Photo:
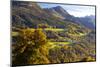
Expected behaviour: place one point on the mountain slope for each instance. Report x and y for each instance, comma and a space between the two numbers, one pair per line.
87, 21
30, 14
26, 14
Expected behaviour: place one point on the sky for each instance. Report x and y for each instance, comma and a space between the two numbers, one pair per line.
75, 10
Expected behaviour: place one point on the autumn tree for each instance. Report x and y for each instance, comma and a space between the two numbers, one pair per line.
40, 50
23, 47
39, 38
30, 46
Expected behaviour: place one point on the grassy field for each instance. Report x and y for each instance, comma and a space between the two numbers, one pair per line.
63, 43
57, 44
54, 29
51, 29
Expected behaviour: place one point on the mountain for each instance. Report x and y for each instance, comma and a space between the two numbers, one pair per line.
92, 18
87, 21
60, 12
54, 13
30, 14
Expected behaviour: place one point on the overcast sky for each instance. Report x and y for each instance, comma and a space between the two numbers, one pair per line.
75, 10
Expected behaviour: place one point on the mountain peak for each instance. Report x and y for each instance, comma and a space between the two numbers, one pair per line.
58, 7
61, 10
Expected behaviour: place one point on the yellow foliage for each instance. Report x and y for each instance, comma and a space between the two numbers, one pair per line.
39, 37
